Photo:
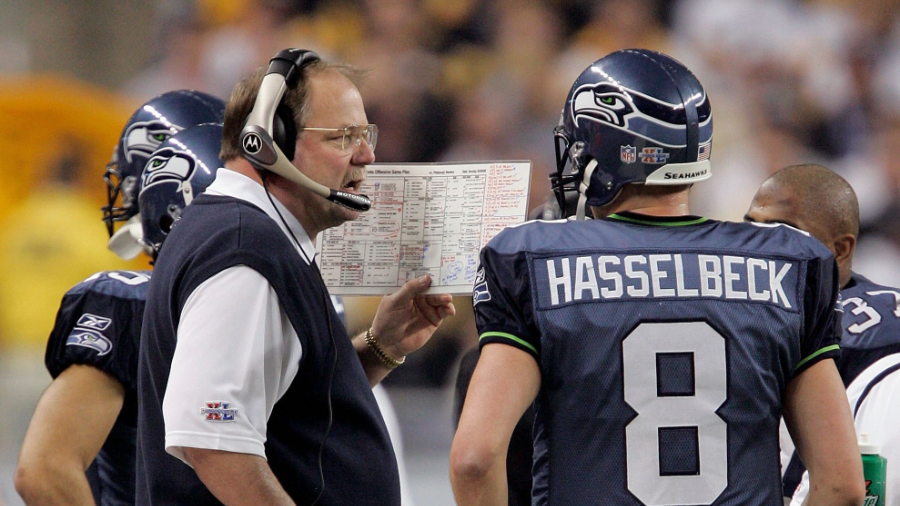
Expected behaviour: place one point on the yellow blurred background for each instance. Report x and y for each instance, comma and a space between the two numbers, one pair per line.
56, 136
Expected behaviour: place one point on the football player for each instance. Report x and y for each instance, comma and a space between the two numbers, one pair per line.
659, 349
80, 445
821, 202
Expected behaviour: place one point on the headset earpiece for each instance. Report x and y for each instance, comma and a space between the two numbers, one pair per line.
284, 131
283, 125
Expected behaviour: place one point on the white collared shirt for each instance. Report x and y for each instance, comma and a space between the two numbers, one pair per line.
236, 348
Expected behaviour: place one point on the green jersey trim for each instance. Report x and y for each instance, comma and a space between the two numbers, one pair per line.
510, 337
616, 216
816, 354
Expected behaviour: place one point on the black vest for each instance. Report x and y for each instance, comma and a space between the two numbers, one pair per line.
357, 461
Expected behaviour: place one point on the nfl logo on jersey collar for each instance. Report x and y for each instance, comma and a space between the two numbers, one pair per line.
628, 154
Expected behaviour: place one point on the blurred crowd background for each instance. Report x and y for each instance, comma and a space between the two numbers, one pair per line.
790, 81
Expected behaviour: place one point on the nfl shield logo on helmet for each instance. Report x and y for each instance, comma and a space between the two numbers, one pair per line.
628, 154
218, 411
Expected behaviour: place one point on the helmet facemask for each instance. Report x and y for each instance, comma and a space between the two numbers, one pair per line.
562, 183
116, 186
571, 188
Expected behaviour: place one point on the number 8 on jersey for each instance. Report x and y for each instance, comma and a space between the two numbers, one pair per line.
676, 446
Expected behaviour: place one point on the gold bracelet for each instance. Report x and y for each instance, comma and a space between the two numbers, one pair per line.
383, 357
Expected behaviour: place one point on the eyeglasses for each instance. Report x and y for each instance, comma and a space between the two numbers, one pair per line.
352, 136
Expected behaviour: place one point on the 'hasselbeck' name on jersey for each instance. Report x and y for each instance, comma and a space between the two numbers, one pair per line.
573, 279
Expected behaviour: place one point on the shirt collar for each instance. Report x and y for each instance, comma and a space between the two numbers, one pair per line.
229, 183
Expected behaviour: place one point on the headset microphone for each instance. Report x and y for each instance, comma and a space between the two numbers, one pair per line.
259, 139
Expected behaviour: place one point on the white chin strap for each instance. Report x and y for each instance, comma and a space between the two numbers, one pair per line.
127, 242
583, 188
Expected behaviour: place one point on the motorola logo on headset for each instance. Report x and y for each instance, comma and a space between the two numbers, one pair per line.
252, 143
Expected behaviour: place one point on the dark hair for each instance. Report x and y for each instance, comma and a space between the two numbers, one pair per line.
243, 96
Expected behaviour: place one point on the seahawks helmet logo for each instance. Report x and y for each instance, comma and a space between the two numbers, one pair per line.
639, 114
170, 165
603, 103
143, 137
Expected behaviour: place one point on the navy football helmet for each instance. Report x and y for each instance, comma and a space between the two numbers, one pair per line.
177, 172
153, 123
633, 116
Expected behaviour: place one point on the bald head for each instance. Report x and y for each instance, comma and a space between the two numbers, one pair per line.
815, 199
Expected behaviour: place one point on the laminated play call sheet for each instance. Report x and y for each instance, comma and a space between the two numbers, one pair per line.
425, 219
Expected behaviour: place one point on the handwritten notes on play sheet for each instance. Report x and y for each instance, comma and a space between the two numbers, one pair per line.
425, 219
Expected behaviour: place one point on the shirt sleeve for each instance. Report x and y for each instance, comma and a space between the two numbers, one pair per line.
235, 356
822, 314
501, 298
99, 330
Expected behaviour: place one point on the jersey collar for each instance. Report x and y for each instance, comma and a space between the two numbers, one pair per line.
658, 221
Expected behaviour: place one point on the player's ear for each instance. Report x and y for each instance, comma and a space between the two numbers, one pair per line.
843, 246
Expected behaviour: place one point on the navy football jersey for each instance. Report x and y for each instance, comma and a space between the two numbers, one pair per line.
99, 324
664, 346
871, 326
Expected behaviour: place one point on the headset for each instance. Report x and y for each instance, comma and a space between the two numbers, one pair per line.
269, 134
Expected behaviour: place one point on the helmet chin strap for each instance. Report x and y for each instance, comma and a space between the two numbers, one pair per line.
127, 241
583, 188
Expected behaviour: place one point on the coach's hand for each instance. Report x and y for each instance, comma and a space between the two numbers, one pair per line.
406, 319
404, 322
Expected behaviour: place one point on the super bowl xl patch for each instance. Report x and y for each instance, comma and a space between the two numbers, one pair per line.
654, 155
218, 411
